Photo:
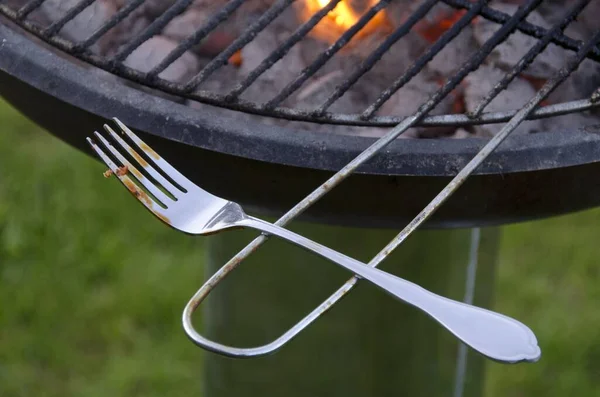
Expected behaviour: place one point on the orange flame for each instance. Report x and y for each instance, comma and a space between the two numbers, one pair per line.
341, 18
342, 14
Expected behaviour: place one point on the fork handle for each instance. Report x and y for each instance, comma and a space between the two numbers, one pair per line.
492, 334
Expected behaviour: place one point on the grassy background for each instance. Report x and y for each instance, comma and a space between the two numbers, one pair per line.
91, 287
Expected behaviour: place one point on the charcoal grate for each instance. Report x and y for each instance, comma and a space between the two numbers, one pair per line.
275, 107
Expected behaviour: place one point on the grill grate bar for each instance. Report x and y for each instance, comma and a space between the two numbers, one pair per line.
281, 51
154, 28
28, 9
528, 28
71, 14
111, 23
431, 52
534, 51
376, 55
246, 37
326, 55
196, 37
456, 120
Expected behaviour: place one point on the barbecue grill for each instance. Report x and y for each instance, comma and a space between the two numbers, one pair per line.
271, 159
526, 167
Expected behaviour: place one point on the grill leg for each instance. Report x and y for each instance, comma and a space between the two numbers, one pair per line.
368, 345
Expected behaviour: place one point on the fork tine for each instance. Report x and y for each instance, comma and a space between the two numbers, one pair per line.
163, 198
159, 161
151, 170
130, 185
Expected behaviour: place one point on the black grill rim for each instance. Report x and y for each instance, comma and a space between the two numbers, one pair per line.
29, 62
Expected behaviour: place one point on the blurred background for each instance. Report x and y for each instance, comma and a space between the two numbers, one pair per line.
92, 287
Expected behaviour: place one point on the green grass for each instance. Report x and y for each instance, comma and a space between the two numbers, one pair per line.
549, 276
91, 287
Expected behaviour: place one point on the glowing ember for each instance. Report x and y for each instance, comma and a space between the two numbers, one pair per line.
342, 17
433, 30
342, 14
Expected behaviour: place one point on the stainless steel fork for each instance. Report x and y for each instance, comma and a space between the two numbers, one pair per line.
186, 207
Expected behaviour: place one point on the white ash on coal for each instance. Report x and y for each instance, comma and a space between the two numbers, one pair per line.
508, 53
480, 82
153, 51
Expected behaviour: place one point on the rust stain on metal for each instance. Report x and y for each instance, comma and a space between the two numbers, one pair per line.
139, 158
236, 59
132, 188
163, 218
139, 194
122, 170
137, 174
149, 151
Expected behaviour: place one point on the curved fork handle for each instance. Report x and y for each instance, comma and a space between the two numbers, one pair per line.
493, 335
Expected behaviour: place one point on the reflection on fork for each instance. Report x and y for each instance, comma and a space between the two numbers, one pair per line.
181, 204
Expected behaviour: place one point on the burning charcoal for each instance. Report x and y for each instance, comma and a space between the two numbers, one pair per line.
589, 16
437, 22
398, 11
568, 122
153, 8
133, 24
480, 82
279, 75
222, 80
320, 85
249, 6
187, 23
318, 89
581, 84
507, 54
409, 98
84, 24
37, 16
341, 18
154, 50
455, 54
554, 11
460, 133
156, 7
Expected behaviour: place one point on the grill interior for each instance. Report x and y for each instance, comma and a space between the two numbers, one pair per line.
358, 69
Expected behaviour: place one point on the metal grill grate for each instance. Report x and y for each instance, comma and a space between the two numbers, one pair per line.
321, 114
587, 49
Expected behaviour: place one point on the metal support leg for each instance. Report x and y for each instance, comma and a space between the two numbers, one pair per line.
368, 345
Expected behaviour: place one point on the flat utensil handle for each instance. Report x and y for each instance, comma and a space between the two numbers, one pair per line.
494, 335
